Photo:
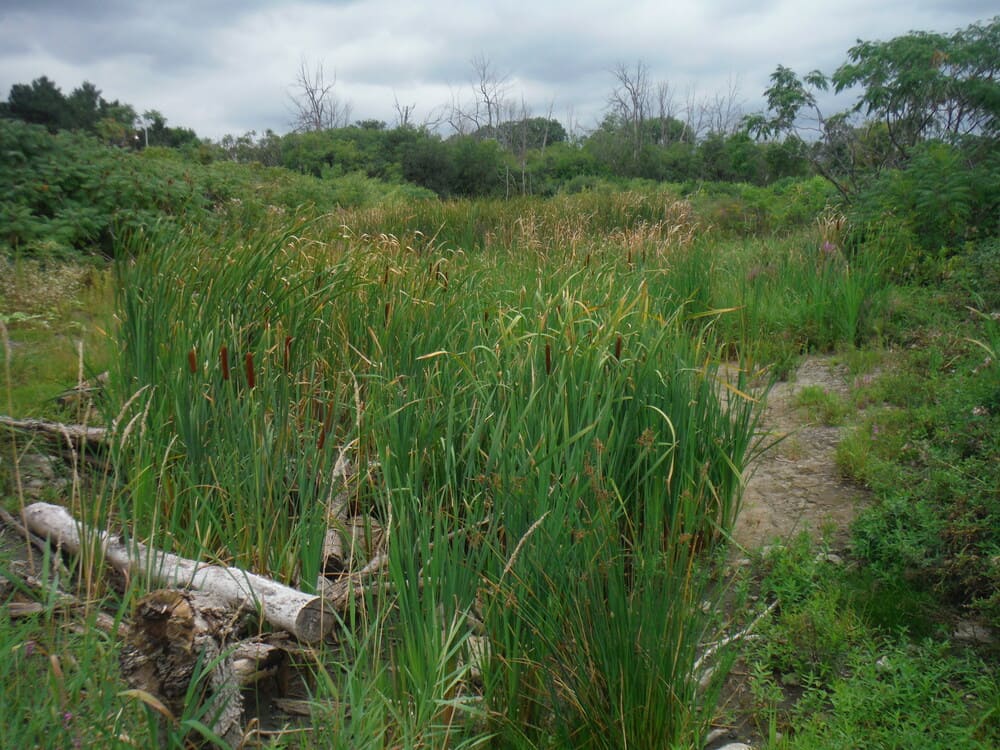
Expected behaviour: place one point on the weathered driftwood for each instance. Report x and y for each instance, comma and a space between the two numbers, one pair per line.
309, 618
177, 652
75, 432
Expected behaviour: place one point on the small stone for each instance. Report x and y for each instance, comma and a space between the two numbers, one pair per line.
969, 631
37, 465
716, 734
736, 746
829, 557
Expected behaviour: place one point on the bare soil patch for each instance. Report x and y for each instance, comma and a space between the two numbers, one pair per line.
796, 486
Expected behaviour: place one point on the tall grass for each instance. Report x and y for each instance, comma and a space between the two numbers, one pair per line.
545, 448
543, 442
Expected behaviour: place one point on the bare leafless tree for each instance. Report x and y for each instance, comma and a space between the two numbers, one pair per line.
630, 100
695, 114
460, 116
491, 88
489, 93
316, 105
404, 113
665, 109
725, 110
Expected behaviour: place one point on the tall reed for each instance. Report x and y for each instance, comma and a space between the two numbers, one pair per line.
542, 435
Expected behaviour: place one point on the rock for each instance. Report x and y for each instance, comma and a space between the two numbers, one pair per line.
37, 466
970, 631
716, 734
829, 557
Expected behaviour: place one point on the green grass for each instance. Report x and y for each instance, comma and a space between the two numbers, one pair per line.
530, 394
820, 406
850, 660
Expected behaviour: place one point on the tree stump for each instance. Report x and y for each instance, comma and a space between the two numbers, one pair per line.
177, 652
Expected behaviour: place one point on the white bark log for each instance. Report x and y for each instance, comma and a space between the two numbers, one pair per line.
309, 618
95, 435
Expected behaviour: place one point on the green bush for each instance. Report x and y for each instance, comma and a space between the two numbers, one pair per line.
926, 213
70, 192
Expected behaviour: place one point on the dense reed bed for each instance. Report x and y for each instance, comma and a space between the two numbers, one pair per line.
541, 440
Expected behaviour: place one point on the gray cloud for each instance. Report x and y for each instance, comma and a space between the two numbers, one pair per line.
227, 66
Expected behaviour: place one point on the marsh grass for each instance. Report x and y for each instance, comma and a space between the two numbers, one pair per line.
531, 397
51, 309
551, 457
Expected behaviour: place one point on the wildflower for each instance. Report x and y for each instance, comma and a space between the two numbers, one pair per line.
829, 248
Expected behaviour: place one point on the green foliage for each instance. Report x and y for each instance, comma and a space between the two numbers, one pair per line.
529, 133
821, 406
43, 103
932, 458
924, 214
847, 659
926, 85
547, 439
913, 90
56, 681
901, 696
70, 193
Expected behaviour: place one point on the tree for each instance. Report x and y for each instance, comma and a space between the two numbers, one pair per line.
629, 102
927, 85
316, 105
40, 103
117, 123
404, 113
488, 102
913, 88
84, 107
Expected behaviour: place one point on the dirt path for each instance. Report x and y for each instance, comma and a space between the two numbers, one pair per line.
796, 486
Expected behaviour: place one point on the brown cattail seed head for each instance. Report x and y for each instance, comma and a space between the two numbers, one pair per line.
251, 379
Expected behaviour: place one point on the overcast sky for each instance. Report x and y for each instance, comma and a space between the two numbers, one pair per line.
227, 66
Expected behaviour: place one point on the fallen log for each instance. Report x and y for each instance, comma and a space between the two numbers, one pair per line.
78, 432
309, 618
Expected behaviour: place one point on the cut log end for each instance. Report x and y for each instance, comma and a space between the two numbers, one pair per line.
314, 621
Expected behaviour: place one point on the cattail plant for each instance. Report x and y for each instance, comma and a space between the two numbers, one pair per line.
251, 376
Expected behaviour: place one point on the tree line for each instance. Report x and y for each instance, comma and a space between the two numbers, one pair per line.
926, 99
42, 102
